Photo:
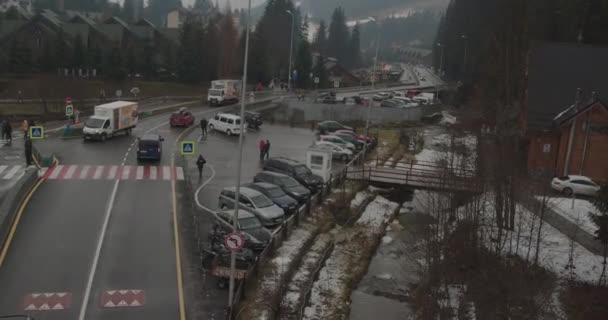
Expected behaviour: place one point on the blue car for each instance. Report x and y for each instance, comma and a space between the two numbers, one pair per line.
150, 147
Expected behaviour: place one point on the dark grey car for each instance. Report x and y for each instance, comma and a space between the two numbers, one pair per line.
269, 214
256, 236
276, 194
296, 170
290, 185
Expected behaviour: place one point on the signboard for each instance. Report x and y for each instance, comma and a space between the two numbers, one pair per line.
135, 91
317, 80
69, 110
68, 101
119, 93
234, 241
187, 148
36, 133
336, 84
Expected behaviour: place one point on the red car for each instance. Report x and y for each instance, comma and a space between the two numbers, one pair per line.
182, 118
355, 135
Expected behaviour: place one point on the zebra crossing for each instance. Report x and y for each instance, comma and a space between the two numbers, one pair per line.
99, 172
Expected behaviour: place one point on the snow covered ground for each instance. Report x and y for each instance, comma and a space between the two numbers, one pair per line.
578, 215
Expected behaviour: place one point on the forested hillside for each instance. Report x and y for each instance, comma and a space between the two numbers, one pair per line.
322, 9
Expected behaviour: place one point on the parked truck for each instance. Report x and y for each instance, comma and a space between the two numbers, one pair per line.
110, 119
223, 92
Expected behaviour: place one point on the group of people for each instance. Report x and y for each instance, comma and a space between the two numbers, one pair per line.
264, 149
7, 130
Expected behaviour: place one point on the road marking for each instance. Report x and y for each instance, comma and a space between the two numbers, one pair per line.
47, 301
140, 173
55, 172
179, 173
112, 174
153, 173
104, 228
126, 170
122, 298
11, 233
180, 286
84, 173
12, 172
70, 172
98, 172
2, 168
167, 172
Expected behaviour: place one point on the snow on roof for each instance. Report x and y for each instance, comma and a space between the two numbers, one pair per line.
115, 105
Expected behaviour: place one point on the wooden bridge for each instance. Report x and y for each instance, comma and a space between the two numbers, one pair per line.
418, 175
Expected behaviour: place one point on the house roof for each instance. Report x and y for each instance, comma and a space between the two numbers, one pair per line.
9, 26
573, 112
555, 72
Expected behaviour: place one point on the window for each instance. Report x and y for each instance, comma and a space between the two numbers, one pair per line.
276, 192
316, 160
106, 124
583, 182
250, 223
217, 117
230, 121
222, 119
546, 148
262, 201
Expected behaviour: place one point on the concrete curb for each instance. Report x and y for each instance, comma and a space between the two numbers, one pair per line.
13, 200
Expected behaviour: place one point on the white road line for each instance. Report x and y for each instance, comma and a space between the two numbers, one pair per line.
140, 173
166, 173
70, 172
104, 228
180, 173
42, 171
2, 168
12, 172
126, 170
112, 174
85, 172
98, 173
56, 171
153, 173
198, 202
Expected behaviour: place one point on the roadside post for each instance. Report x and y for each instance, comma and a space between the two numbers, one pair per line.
234, 241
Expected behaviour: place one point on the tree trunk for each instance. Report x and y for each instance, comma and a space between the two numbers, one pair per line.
602, 279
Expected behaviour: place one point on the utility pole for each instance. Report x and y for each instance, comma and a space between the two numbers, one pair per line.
369, 107
293, 21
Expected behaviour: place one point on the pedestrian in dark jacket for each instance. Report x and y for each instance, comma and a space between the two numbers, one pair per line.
8, 131
200, 163
267, 149
28, 151
262, 147
204, 127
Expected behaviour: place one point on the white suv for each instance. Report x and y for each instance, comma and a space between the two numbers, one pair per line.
227, 123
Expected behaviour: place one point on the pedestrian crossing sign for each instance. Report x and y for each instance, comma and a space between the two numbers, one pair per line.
69, 110
36, 132
187, 148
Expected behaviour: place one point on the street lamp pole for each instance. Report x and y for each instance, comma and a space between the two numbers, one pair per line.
293, 21
240, 157
441, 61
369, 107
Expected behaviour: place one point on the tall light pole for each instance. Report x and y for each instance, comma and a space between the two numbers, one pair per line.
439, 45
235, 216
293, 21
466, 47
369, 107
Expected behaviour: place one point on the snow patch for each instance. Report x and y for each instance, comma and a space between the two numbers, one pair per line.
387, 239
579, 215
384, 276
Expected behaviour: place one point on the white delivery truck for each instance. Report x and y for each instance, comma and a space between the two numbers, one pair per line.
110, 119
224, 92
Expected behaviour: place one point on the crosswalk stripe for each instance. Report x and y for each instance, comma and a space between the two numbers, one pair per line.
84, 172
146, 172
180, 173
166, 173
140, 173
70, 172
125, 172
112, 174
2, 168
98, 173
153, 173
12, 172
55, 172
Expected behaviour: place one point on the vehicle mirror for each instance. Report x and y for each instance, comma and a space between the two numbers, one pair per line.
162, 139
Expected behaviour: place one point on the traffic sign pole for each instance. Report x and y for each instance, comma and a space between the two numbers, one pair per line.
187, 148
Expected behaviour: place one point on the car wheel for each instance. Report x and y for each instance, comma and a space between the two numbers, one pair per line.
211, 127
104, 137
344, 157
224, 207
567, 191
229, 132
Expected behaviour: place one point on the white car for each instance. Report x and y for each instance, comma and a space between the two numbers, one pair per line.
337, 151
571, 184
225, 122
338, 141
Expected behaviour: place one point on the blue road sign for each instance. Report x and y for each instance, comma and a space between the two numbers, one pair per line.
187, 148
36, 133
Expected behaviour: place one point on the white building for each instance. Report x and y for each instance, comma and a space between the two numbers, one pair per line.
26, 5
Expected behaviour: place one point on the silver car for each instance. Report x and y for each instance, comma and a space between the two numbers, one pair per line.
261, 206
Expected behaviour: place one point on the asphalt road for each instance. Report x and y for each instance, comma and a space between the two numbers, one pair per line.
97, 248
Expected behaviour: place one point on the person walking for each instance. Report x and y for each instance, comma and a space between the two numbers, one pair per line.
3, 129
8, 131
200, 163
28, 151
267, 149
262, 147
204, 127
25, 127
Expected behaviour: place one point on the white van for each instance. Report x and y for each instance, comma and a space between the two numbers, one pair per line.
225, 122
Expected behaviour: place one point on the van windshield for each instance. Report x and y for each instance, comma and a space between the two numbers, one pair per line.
215, 92
94, 123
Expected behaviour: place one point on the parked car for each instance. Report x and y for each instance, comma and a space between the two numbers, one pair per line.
256, 236
263, 208
253, 119
337, 151
149, 147
290, 185
331, 126
276, 194
350, 139
339, 141
381, 96
296, 170
181, 118
224, 122
329, 100
390, 104
359, 137
572, 184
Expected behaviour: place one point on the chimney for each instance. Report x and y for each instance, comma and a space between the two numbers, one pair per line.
578, 98
60, 5
593, 97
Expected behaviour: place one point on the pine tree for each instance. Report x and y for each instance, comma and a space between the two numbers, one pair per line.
601, 222
128, 11
303, 65
227, 48
61, 50
321, 73
190, 54
339, 37
305, 28
355, 48
78, 53
320, 42
20, 57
